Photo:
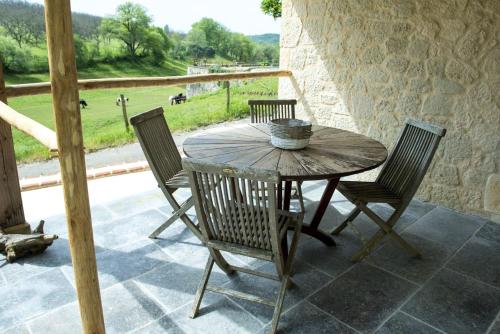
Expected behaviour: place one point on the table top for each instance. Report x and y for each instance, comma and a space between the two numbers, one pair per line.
331, 153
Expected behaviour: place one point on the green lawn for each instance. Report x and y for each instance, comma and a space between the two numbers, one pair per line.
103, 124
103, 70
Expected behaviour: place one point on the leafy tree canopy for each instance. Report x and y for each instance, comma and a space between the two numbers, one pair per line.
271, 7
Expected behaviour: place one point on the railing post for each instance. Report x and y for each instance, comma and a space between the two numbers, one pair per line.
65, 104
124, 110
228, 96
11, 205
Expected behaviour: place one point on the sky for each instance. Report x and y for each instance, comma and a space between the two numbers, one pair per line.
242, 16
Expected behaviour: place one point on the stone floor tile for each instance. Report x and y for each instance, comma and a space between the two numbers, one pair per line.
418, 208
490, 231
57, 224
21, 329
495, 329
306, 281
331, 260
164, 325
56, 255
218, 315
455, 303
138, 203
403, 323
479, 258
363, 297
127, 230
392, 257
126, 307
307, 318
446, 226
175, 284
117, 265
63, 320
28, 298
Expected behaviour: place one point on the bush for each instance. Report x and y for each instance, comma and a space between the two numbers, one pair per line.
14, 58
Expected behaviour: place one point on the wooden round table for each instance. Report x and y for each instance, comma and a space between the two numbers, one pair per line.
331, 154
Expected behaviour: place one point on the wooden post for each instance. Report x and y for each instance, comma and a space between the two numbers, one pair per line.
228, 96
65, 103
124, 110
11, 205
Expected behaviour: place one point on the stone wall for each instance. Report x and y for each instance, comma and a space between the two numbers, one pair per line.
200, 88
367, 65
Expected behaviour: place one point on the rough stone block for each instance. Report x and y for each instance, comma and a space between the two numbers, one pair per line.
397, 64
461, 72
438, 105
396, 45
492, 193
445, 86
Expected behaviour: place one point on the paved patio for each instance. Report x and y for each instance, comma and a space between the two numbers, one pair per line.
148, 286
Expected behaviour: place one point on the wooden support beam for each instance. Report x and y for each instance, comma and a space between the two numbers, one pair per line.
32, 128
11, 204
88, 84
65, 103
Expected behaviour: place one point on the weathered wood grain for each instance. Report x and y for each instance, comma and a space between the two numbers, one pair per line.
65, 103
11, 205
44, 87
332, 153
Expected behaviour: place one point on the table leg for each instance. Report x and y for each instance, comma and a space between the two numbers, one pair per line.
288, 195
312, 228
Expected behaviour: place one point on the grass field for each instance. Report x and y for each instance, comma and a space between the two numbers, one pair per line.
103, 124
102, 70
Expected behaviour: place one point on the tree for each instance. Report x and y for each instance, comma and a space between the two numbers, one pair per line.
216, 35
156, 45
241, 48
131, 25
22, 21
271, 7
197, 44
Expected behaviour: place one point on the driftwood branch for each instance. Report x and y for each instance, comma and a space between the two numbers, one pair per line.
15, 246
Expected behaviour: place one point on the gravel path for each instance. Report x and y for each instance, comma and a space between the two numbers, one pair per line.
110, 156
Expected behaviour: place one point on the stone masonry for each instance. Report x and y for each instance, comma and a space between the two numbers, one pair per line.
367, 65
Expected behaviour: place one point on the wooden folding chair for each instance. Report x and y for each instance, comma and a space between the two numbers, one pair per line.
237, 213
166, 164
396, 184
262, 111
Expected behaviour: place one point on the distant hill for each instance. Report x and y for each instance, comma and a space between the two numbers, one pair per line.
266, 38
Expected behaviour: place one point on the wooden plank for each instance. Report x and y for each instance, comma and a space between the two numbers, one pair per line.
65, 103
32, 128
106, 83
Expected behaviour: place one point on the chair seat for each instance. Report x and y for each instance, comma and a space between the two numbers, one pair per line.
368, 192
179, 180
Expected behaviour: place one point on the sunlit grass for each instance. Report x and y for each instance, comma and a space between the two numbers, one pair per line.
103, 124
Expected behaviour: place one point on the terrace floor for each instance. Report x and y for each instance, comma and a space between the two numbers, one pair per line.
148, 286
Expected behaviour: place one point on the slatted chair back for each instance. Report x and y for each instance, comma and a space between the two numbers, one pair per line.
234, 206
410, 159
262, 111
157, 144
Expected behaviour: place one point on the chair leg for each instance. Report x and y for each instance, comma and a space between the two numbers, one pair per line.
368, 246
352, 215
201, 287
189, 223
279, 304
221, 262
385, 229
176, 215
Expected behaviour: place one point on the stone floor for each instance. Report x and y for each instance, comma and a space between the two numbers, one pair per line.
148, 286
